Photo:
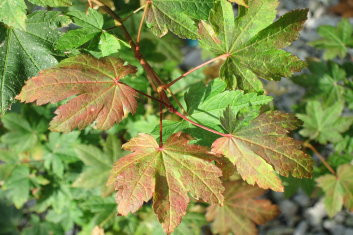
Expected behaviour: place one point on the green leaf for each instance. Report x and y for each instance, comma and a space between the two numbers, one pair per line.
204, 106
262, 148
178, 16
326, 81
91, 27
241, 211
324, 124
338, 190
345, 145
17, 185
102, 208
52, 3
41, 227
292, 185
98, 164
252, 42
21, 134
60, 152
335, 40
13, 13
168, 174
24, 53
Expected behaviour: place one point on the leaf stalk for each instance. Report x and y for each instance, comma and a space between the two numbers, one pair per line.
321, 158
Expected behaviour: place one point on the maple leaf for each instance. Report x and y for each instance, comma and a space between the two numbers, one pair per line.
326, 81
335, 39
52, 3
241, 211
13, 13
177, 16
203, 106
101, 97
22, 135
97, 163
262, 148
324, 124
167, 174
24, 53
91, 27
338, 189
252, 42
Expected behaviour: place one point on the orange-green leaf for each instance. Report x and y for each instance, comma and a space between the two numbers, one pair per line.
100, 97
338, 190
241, 211
262, 149
168, 174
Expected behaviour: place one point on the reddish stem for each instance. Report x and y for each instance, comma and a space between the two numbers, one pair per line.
173, 110
321, 158
153, 78
192, 70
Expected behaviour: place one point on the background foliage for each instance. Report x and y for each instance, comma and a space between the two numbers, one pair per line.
53, 183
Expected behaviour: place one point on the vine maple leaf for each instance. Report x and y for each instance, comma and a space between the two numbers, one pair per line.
262, 148
253, 42
241, 211
167, 173
101, 97
338, 190
336, 40
177, 16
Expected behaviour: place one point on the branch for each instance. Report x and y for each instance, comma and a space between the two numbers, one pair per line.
166, 86
173, 110
153, 78
321, 158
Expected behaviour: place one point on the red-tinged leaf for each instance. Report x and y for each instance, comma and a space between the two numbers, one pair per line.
100, 96
241, 211
262, 148
168, 174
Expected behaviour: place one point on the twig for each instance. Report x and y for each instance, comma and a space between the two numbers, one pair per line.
173, 110
153, 78
321, 158
142, 22
166, 86
160, 125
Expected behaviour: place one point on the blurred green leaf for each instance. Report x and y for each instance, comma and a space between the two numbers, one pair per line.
324, 124
335, 40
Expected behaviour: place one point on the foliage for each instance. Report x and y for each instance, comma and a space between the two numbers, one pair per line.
335, 40
197, 149
241, 211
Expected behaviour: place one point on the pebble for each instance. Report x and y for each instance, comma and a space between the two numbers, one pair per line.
302, 228
334, 228
348, 231
316, 213
349, 221
302, 199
